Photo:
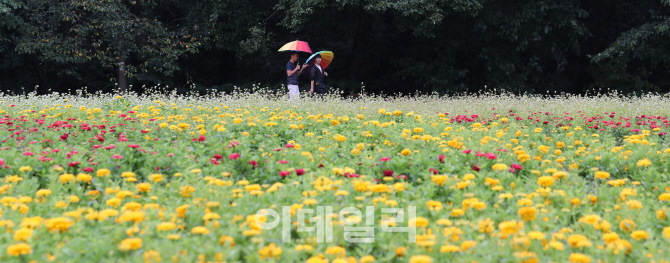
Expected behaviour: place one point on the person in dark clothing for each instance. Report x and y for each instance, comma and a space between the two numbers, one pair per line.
316, 76
293, 70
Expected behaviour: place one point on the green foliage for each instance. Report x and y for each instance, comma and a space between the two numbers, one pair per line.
394, 46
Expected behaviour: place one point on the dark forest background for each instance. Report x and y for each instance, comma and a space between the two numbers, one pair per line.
394, 46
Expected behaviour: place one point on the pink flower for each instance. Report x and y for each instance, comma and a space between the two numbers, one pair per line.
441, 158
170, 154
253, 163
27, 154
278, 149
348, 175
88, 169
467, 151
73, 164
299, 171
289, 145
433, 171
2, 162
402, 176
491, 156
385, 159
109, 147
218, 156
516, 167
116, 156
284, 173
234, 156
388, 173
97, 146
133, 146
282, 162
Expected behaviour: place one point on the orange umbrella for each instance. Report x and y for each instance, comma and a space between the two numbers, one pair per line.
299, 46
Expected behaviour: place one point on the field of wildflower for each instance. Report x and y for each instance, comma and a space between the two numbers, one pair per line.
493, 178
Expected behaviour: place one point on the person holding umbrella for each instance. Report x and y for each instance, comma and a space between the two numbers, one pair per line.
316, 76
293, 70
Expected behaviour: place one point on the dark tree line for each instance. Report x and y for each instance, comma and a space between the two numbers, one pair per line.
444, 46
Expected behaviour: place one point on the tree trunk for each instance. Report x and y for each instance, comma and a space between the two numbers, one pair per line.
123, 78
359, 49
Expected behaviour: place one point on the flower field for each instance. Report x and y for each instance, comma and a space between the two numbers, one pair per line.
493, 178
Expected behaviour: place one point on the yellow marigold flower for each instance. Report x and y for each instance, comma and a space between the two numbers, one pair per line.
43, 192
340, 138
666, 232
527, 213
579, 258
143, 187
418, 222
200, 230
13, 179
102, 172
421, 259
166, 226
434, 206
499, 167
367, 259
130, 244
59, 224
196, 171
449, 249
644, 162
270, 251
227, 239
602, 175
610, 237
181, 211
19, 249
25, 169
468, 244
66, 178
639, 235
664, 197
627, 225
156, 178
578, 241
131, 216
510, 227
23, 234
545, 181
406, 152
82, 177
127, 174
186, 191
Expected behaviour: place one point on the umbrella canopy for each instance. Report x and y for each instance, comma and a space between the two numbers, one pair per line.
326, 58
299, 46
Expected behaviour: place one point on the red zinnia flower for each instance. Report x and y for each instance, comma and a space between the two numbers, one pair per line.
234, 156
388, 173
284, 173
299, 171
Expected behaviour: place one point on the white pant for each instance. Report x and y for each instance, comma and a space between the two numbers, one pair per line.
293, 92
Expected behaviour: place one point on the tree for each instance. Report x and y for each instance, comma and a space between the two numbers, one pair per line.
131, 36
